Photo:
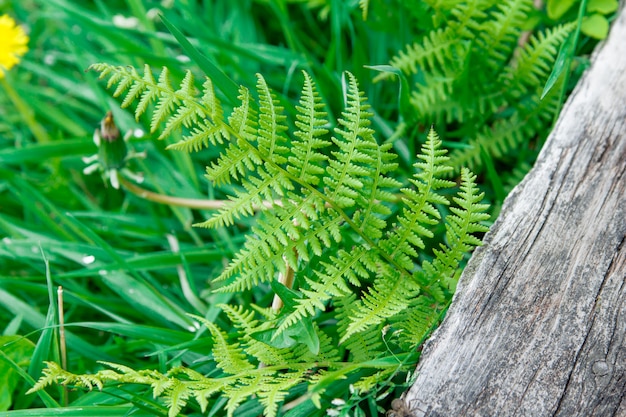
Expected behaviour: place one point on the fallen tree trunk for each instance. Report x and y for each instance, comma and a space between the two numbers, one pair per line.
538, 325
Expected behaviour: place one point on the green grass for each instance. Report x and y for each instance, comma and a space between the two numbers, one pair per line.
132, 270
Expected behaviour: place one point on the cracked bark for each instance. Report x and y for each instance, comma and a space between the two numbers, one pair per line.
538, 324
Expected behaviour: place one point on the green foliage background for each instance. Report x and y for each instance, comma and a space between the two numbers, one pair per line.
132, 270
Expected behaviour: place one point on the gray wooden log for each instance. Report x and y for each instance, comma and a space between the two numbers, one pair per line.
538, 324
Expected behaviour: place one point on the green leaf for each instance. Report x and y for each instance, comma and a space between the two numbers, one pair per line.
407, 111
301, 331
18, 350
595, 26
272, 338
91, 411
557, 8
602, 6
305, 333
287, 295
562, 62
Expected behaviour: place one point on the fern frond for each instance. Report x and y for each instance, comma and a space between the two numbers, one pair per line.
331, 282
177, 395
500, 32
206, 125
53, 373
240, 156
464, 221
461, 225
390, 294
354, 139
535, 60
417, 322
271, 138
230, 358
404, 242
174, 108
439, 53
278, 236
306, 161
272, 394
329, 202
364, 5
526, 122
469, 16
369, 219
365, 345
264, 353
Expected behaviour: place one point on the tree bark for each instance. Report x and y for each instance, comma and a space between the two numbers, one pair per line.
538, 324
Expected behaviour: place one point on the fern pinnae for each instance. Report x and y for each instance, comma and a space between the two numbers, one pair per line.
166, 101
331, 282
135, 90
535, 60
390, 294
351, 134
417, 321
150, 91
187, 112
464, 221
370, 219
406, 239
437, 53
365, 345
229, 358
328, 209
501, 32
176, 398
460, 228
272, 126
246, 324
258, 261
306, 160
275, 391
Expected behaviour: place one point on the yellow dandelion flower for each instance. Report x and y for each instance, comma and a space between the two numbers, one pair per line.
13, 43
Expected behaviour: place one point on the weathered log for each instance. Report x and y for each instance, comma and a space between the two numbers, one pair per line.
538, 324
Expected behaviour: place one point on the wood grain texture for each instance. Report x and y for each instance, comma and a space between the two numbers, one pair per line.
538, 324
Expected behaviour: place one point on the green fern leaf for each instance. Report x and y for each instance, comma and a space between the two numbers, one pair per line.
390, 294
245, 389
501, 31
306, 161
346, 266
527, 121
353, 138
460, 227
271, 138
149, 95
419, 320
365, 345
420, 212
246, 324
230, 358
535, 60
177, 395
273, 393
438, 53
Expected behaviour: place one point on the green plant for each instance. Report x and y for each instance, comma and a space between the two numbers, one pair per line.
478, 73
133, 271
595, 23
346, 255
